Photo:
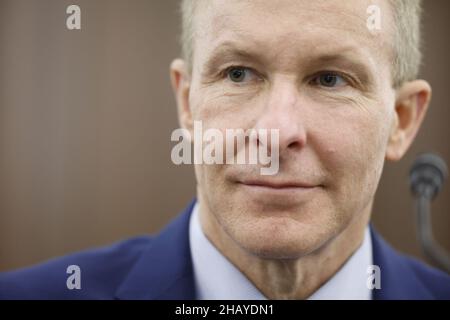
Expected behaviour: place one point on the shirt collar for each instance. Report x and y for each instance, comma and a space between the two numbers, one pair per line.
216, 278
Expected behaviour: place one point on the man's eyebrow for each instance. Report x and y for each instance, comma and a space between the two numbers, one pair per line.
340, 57
227, 52
346, 61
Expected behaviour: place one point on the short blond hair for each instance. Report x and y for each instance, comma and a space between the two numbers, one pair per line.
406, 45
407, 40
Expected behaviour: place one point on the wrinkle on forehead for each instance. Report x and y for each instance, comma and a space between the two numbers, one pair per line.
285, 24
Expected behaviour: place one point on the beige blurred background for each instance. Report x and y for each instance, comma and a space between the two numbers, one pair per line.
86, 118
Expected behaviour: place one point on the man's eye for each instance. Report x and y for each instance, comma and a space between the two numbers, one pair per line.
239, 74
330, 80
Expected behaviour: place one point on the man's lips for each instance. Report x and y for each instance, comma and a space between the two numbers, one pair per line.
277, 185
281, 193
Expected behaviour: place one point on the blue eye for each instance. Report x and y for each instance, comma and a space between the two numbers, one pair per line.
330, 80
238, 74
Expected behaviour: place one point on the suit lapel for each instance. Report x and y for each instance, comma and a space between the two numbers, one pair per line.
398, 279
164, 271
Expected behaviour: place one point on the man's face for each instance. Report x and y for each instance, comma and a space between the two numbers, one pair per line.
313, 70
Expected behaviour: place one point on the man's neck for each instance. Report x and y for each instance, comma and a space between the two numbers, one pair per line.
293, 278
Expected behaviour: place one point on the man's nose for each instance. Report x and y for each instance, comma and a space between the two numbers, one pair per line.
282, 111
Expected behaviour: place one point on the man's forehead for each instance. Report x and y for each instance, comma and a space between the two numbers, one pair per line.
284, 24
300, 11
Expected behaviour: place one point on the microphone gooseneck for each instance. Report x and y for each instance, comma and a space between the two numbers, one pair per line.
427, 176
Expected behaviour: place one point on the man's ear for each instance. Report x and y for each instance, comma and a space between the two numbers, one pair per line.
180, 79
411, 104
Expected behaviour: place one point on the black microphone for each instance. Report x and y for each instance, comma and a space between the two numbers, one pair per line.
427, 176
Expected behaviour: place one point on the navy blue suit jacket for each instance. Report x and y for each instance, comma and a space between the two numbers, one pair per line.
160, 267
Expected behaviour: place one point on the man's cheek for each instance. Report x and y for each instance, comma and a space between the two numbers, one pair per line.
364, 156
346, 152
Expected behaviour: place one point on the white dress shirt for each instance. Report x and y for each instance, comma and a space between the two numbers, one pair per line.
216, 278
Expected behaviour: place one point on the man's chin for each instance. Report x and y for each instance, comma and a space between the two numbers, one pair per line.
277, 251
274, 241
